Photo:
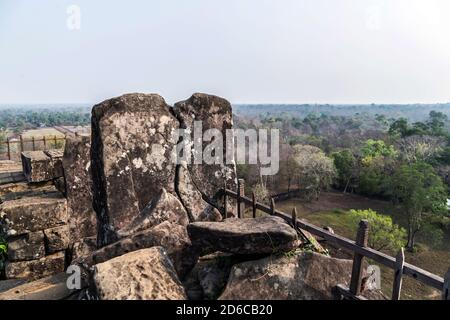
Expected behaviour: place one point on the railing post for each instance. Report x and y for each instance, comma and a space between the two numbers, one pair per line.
21, 144
272, 207
446, 289
398, 274
9, 149
56, 142
294, 217
34, 145
225, 199
358, 259
254, 204
241, 193
45, 142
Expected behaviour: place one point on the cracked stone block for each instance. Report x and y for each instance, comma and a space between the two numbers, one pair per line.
78, 187
37, 166
56, 157
56, 239
132, 153
33, 214
28, 246
36, 269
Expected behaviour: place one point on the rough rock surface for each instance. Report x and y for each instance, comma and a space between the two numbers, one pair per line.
49, 288
29, 246
11, 172
164, 207
33, 214
35, 269
146, 274
56, 160
172, 237
83, 248
78, 185
264, 235
37, 166
56, 239
204, 180
305, 276
13, 191
132, 152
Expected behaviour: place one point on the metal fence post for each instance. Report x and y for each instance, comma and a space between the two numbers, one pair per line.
21, 144
358, 259
33, 142
272, 206
294, 217
398, 275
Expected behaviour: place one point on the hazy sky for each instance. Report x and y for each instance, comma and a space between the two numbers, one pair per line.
248, 51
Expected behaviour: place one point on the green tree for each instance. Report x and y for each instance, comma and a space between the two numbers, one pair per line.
383, 233
376, 148
345, 163
418, 190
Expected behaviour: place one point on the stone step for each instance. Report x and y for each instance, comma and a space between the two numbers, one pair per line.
31, 214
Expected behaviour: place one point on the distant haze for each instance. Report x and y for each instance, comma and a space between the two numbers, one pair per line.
248, 51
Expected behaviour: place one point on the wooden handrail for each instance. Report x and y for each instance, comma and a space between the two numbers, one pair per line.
417, 273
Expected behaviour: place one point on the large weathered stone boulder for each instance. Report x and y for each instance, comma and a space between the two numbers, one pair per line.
31, 214
305, 276
29, 246
78, 187
264, 235
35, 269
172, 237
205, 180
132, 154
164, 207
146, 274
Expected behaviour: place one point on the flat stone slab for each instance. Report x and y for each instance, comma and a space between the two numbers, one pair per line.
49, 288
146, 274
33, 214
10, 172
14, 191
264, 235
36, 269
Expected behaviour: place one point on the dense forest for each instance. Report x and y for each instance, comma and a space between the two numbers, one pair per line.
18, 119
363, 150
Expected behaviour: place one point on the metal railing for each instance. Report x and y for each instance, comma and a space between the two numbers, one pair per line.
359, 248
14, 147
